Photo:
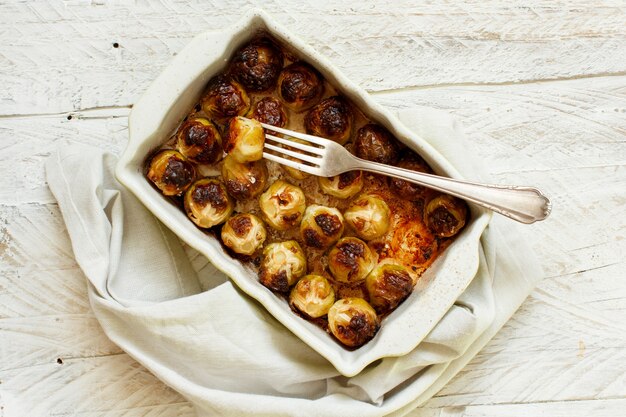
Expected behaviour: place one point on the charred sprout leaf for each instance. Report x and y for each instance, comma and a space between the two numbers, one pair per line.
270, 111
321, 226
353, 321
445, 215
331, 119
171, 172
369, 216
283, 263
257, 65
350, 260
207, 203
245, 139
300, 86
244, 233
225, 98
313, 296
200, 141
375, 143
282, 205
388, 285
244, 181
344, 185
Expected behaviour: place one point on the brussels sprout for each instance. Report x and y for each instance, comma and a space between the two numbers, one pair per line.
270, 111
321, 226
282, 205
344, 185
369, 216
300, 86
244, 233
313, 296
283, 263
200, 141
171, 172
257, 65
388, 285
244, 181
225, 98
207, 203
375, 143
445, 215
353, 321
406, 189
245, 139
331, 119
350, 260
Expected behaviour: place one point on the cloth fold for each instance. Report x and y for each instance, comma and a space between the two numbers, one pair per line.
222, 350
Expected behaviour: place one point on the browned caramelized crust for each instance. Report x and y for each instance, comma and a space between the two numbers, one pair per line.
270, 111
358, 331
210, 193
200, 141
241, 225
171, 172
331, 119
374, 143
257, 65
300, 86
225, 98
388, 285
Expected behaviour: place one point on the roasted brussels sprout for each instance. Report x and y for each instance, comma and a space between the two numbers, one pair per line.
171, 172
331, 119
207, 203
344, 185
388, 285
353, 321
406, 189
244, 181
300, 86
282, 205
200, 141
445, 215
369, 216
245, 139
270, 111
283, 263
225, 98
375, 143
350, 260
244, 233
321, 226
257, 65
312, 296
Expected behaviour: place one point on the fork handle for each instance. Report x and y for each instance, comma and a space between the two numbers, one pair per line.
524, 204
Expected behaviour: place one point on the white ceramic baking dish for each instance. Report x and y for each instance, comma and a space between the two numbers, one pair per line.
172, 95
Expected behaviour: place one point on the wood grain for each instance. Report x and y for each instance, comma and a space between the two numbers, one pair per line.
541, 91
398, 45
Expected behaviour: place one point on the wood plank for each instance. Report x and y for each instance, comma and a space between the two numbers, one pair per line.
111, 385
604, 408
381, 48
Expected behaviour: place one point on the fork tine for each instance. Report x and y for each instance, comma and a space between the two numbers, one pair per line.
290, 163
297, 155
293, 144
308, 138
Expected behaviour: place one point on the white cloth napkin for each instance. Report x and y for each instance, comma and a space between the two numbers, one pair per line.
223, 351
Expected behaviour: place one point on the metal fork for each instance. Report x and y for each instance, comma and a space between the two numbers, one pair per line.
325, 158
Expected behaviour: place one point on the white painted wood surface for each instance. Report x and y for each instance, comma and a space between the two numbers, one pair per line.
540, 88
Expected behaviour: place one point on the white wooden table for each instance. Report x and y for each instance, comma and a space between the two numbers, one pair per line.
541, 90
